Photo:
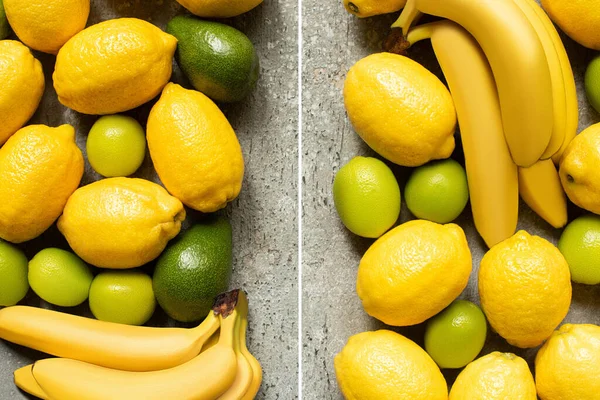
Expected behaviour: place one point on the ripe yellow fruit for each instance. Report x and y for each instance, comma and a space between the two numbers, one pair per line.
40, 167
120, 222
413, 272
577, 18
369, 8
384, 365
22, 82
219, 8
400, 109
113, 66
194, 149
46, 25
567, 366
496, 376
525, 289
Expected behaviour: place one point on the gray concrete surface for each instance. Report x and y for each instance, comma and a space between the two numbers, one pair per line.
333, 42
263, 217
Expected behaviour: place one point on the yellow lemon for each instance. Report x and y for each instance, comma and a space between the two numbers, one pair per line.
525, 289
413, 272
22, 82
577, 18
369, 8
496, 376
120, 222
194, 149
400, 109
567, 366
40, 167
384, 365
579, 172
113, 66
219, 8
46, 25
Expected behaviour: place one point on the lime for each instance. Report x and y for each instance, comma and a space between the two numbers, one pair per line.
437, 191
13, 274
60, 277
580, 245
454, 337
124, 297
116, 146
4, 27
592, 83
367, 196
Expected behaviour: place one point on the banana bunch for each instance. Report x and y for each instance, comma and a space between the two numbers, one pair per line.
516, 101
102, 360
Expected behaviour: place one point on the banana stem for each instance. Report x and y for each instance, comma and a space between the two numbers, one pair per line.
408, 17
421, 32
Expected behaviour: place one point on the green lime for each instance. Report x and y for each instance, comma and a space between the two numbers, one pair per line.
580, 245
13, 274
454, 337
116, 145
60, 277
592, 83
4, 27
367, 196
124, 297
437, 191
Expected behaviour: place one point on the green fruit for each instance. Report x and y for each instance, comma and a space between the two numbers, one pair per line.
116, 146
13, 274
580, 245
194, 269
454, 337
592, 83
367, 196
60, 277
219, 60
4, 27
437, 191
124, 297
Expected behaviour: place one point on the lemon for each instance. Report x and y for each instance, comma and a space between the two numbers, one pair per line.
400, 109
496, 376
116, 145
384, 365
194, 149
367, 196
369, 8
40, 167
60, 277
219, 8
568, 364
113, 66
437, 191
577, 18
46, 25
525, 289
124, 297
579, 172
120, 222
22, 82
413, 272
580, 245
13, 275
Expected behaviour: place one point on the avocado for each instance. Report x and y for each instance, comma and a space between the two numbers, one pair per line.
193, 270
219, 60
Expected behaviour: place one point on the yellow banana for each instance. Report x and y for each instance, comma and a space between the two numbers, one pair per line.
541, 189
26, 382
206, 377
256, 368
517, 59
130, 348
491, 173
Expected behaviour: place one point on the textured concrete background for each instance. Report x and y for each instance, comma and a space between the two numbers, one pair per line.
263, 217
333, 42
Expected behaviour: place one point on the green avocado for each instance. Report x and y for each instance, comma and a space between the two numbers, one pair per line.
194, 270
4, 27
219, 60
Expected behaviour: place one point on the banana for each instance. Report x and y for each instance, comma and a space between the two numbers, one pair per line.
130, 348
256, 368
491, 173
542, 191
206, 377
26, 382
517, 59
